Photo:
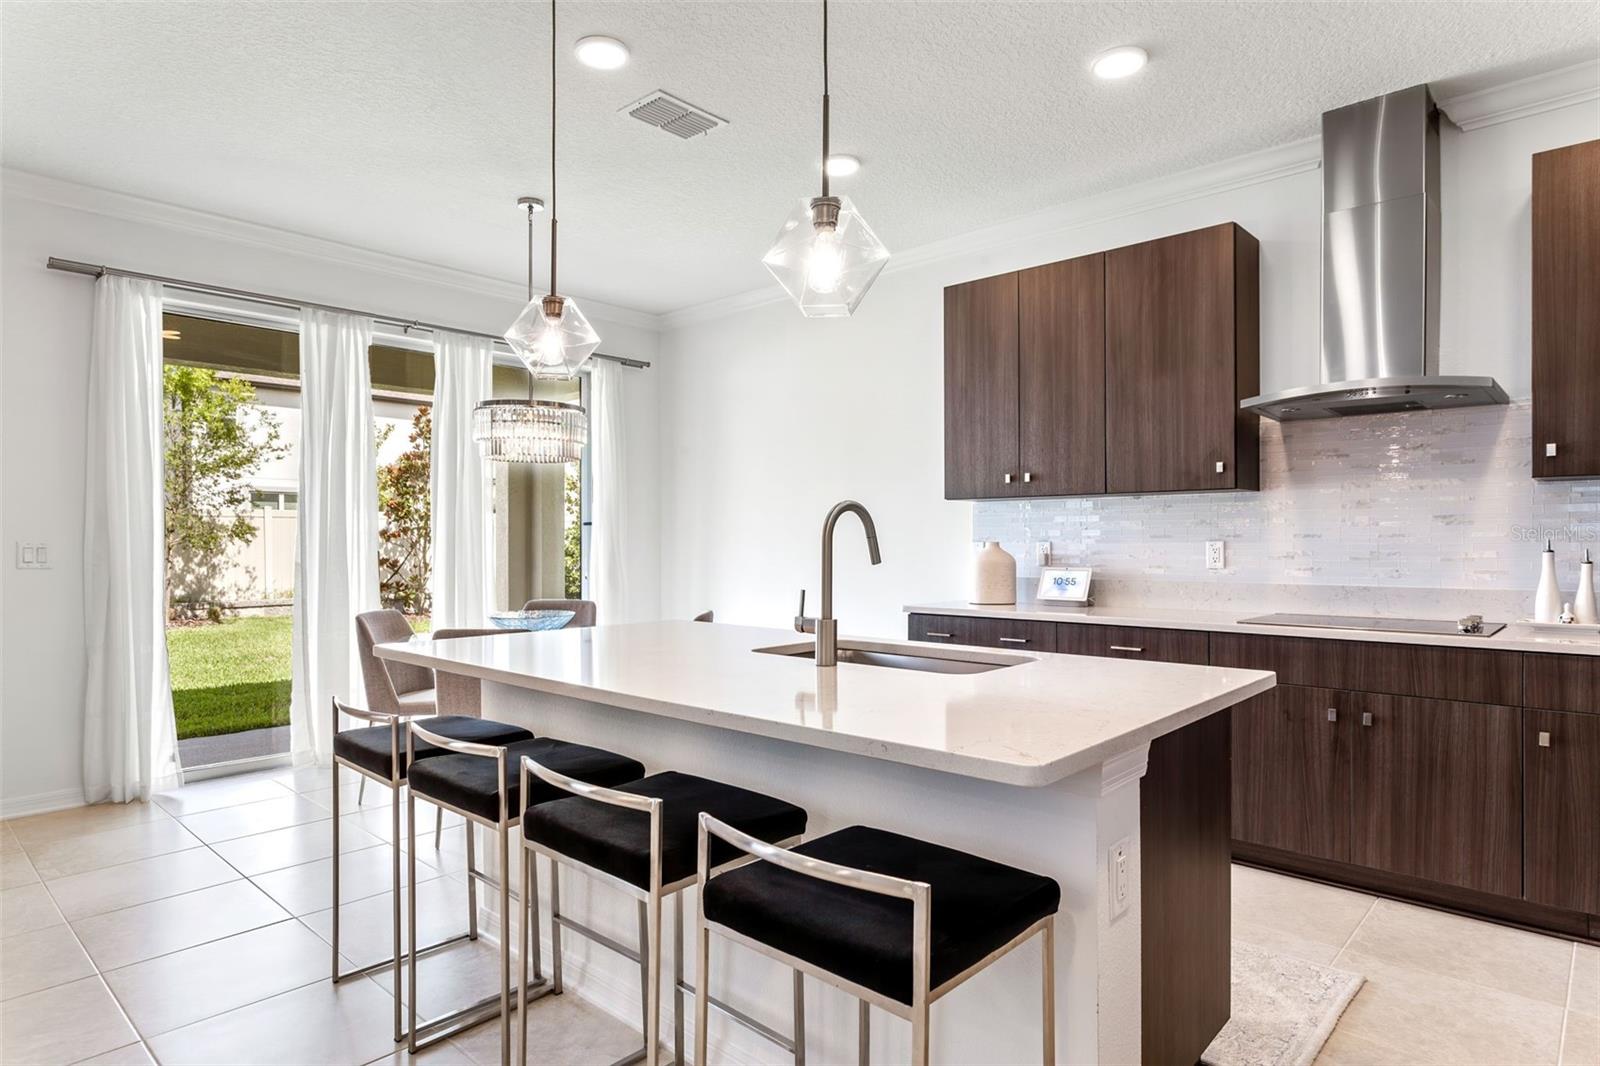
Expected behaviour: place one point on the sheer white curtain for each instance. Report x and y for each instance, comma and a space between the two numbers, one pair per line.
130, 740
336, 565
608, 576
462, 575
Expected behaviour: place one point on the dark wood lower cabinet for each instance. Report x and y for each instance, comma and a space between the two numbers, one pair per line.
1012, 634
1128, 642
1436, 791
1291, 771
940, 629
1561, 808
1186, 891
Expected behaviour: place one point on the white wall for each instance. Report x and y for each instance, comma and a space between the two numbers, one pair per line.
768, 418
43, 396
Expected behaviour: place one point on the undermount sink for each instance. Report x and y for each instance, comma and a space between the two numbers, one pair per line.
896, 657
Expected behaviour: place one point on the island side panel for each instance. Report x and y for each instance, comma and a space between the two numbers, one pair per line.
1185, 821
1059, 830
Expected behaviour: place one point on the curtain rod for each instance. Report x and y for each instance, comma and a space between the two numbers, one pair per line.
94, 270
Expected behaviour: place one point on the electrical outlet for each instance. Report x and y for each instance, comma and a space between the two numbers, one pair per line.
33, 555
1121, 877
1041, 553
1214, 557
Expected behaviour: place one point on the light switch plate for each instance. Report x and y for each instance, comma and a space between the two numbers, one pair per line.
33, 555
1214, 555
1121, 877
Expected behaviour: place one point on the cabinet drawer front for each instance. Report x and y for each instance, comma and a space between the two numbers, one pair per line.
1562, 682
1130, 642
940, 629
1436, 791
1018, 635
1402, 669
1561, 809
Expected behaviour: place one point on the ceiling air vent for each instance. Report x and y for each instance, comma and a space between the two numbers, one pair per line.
666, 112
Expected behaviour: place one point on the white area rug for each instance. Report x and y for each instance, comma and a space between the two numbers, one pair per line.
1284, 1009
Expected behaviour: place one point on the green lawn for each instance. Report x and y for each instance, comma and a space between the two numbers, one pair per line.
230, 676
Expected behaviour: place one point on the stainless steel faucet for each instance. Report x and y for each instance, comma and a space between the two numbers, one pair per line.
825, 627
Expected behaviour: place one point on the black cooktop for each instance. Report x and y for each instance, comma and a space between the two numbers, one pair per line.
1432, 626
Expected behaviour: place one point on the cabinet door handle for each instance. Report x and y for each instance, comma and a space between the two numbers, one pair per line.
1008, 479
1550, 450
1544, 738
1127, 647
1013, 640
1027, 475
1333, 714
941, 636
1366, 717
1221, 466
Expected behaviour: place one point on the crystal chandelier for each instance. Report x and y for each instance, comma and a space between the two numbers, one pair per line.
826, 257
553, 339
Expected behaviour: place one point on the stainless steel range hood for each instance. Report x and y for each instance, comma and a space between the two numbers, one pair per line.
1380, 269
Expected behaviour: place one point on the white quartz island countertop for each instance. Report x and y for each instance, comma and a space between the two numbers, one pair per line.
1032, 723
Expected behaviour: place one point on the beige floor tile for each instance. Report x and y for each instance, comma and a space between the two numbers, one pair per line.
30, 962
444, 1053
95, 851
377, 797
317, 1023
379, 822
1306, 909
132, 883
308, 887
187, 986
365, 929
26, 908
8, 839
248, 819
81, 821
134, 934
1511, 960
132, 1055
293, 846
455, 977
1343, 1049
1580, 1044
218, 792
1442, 1020
16, 869
562, 1031
63, 1024
1283, 942
305, 779
1585, 992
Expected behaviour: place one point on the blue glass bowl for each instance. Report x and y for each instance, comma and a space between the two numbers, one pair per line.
531, 620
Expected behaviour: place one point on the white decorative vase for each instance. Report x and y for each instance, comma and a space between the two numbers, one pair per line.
994, 577
1583, 604
1547, 600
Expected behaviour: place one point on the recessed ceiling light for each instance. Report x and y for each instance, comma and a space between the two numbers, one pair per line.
842, 166
602, 53
1120, 62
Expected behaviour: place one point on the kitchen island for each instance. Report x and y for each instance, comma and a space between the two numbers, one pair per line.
1031, 759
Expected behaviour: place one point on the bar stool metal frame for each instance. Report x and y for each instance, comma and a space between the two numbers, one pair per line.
394, 782
446, 1025
649, 957
920, 893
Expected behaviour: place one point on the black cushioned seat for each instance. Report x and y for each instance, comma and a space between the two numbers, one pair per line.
368, 746
472, 782
977, 906
616, 840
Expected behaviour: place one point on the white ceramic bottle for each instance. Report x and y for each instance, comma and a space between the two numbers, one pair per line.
994, 578
1584, 609
1547, 600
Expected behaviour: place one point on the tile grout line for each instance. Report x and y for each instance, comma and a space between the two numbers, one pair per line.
1364, 916
1566, 1004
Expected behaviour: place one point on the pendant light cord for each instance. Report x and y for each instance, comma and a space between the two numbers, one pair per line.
553, 290
824, 97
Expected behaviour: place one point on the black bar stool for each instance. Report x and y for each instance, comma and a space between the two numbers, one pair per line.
641, 838
375, 752
857, 909
470, 779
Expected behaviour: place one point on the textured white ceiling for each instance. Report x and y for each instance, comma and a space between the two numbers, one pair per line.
412, 128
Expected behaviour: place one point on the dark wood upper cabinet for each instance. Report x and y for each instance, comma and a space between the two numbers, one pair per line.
1436, 791
980, 388
1561, 809
1182, 340
1566, 314
1291, 771
1062, 378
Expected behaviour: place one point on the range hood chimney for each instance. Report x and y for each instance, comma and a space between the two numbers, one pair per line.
1380, 269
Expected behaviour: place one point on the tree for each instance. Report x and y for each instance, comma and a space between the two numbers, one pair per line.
405, 540
572, 545
216, 437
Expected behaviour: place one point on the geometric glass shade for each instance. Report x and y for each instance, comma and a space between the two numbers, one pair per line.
826, 271
530, 431
552, 348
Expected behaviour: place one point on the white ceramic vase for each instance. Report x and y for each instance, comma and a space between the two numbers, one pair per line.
1583, 604
1547, 600
994, 578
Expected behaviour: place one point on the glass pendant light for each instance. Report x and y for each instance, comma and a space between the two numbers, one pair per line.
826, 257
553, 339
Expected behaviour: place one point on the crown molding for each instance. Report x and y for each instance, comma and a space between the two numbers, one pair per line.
1238, 172
1524, 97
112, 204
